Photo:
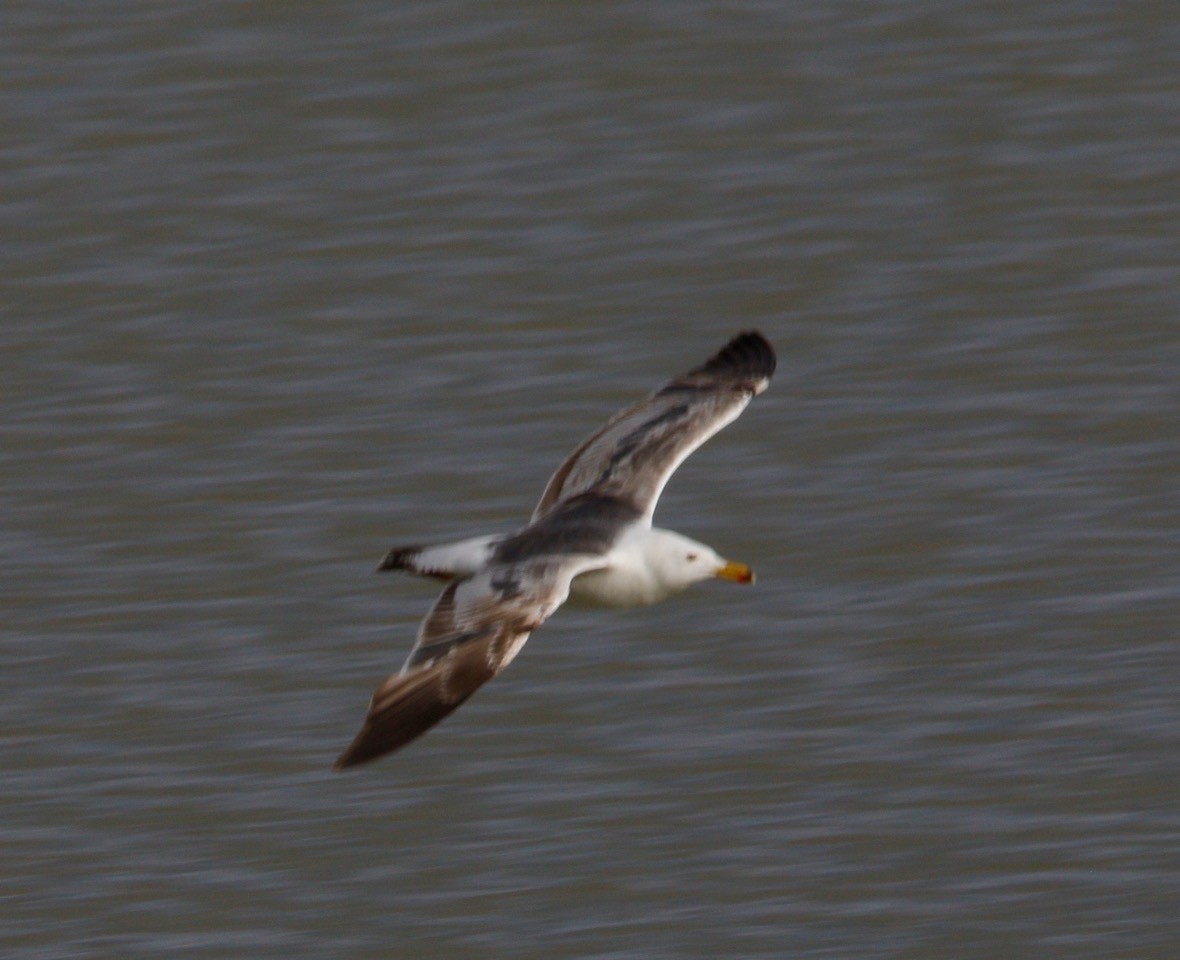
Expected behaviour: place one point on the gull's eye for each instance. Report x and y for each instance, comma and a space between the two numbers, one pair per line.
692, 558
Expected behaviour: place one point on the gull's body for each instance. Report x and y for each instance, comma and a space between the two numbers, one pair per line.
590, 539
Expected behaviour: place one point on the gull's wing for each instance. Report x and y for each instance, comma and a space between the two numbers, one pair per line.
474, 630
632, 456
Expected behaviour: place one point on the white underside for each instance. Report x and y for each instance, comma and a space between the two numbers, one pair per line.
613, 587
632, 574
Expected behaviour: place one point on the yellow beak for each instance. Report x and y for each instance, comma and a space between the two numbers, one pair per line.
737, 572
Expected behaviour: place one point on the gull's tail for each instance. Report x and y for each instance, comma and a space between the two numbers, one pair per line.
443, 561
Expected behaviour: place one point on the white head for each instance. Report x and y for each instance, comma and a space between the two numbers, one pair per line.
679, 562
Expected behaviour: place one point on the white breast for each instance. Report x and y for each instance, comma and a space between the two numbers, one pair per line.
628, 579
614, 587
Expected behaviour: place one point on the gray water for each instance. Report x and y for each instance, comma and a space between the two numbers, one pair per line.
284, 284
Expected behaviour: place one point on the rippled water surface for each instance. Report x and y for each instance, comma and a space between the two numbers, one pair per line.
283, 285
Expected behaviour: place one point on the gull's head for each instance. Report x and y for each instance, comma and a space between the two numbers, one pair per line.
680, 562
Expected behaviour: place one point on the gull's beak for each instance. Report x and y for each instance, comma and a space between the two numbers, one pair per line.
737, 572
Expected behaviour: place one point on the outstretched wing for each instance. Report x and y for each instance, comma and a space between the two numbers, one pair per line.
635, 453
472, 633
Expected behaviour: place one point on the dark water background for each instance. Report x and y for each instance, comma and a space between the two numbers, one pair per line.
283, 284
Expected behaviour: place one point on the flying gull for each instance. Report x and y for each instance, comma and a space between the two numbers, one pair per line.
590, 536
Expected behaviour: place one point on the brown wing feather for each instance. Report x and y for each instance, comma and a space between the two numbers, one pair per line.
634, 453
472, 633
406, 705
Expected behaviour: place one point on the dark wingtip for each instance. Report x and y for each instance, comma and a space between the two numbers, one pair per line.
344, 761
749, 354
363, 749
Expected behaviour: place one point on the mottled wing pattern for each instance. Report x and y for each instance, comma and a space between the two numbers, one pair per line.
406, 705
472, 633
632, 456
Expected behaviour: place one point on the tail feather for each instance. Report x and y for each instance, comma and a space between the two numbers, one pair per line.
402, 558
442, 561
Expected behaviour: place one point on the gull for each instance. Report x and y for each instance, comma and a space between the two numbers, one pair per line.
590, 537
